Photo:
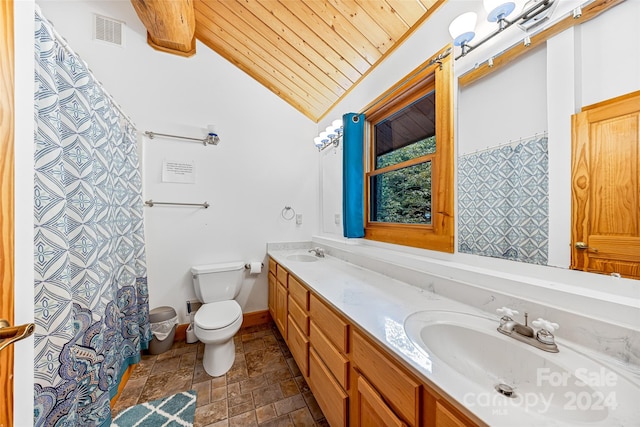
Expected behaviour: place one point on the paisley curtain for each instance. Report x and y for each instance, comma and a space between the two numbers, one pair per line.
91, 300
503, 202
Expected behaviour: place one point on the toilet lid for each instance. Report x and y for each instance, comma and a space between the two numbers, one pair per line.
217, 315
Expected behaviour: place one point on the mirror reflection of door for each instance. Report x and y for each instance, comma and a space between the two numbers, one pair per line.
605, 169
6, 203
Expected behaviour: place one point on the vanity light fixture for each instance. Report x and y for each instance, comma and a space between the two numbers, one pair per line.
577, 12
462, 28
330, 136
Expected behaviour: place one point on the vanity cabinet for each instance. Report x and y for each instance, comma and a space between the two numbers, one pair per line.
398, 393
298, 324
355, 380
281, 300
272, 288
329, 364
445, 418
370, 408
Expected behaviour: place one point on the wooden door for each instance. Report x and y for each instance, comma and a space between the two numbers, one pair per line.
6, 203
605, 190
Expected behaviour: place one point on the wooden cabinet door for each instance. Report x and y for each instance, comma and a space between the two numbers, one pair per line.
272, 295
446, 418
371, 408
605, 189
281, 309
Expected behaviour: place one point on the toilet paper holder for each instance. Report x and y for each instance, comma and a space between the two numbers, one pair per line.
247, 266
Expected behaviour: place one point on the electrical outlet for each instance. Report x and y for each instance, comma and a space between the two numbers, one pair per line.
298, 219
336, 219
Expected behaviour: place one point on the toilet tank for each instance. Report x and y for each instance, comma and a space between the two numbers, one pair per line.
217, 282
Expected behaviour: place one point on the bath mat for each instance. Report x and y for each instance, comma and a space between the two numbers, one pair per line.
171, 411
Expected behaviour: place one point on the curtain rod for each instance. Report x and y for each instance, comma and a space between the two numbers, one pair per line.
506, 144
211, 138
65, 45
151, 203
436, 59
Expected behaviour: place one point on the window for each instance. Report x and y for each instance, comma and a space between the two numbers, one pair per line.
409, 171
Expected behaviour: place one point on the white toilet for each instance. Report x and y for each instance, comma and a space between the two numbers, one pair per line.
220, 316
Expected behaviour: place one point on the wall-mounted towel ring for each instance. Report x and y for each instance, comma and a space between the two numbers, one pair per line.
288, 213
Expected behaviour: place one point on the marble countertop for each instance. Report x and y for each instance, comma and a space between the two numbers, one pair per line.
380, 305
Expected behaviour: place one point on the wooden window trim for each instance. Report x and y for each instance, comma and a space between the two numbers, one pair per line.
439, 235
412, 162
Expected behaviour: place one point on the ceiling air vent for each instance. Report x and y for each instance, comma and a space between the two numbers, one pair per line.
108, 30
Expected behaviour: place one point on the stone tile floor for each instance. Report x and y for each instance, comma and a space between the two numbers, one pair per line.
264, 387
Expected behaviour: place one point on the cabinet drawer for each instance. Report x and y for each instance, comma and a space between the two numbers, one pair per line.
400, 391
272, 266
299, 293
332, 358
299, 316
281, 274
299, 346
330, 324
331, 398
371, 408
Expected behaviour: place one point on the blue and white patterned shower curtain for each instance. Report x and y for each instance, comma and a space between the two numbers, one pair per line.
503, 202
91, 300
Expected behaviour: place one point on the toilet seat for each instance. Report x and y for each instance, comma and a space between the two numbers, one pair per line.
217, 315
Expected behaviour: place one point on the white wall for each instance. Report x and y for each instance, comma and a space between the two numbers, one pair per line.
536, 93
265, 160
507, 105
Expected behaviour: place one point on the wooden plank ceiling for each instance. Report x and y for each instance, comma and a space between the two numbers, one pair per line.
308, 52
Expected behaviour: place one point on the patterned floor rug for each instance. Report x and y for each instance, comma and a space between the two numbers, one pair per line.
171, 411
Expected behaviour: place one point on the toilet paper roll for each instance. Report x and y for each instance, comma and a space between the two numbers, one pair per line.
255, 268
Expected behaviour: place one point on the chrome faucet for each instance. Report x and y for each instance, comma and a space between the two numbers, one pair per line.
318, 251
542, 339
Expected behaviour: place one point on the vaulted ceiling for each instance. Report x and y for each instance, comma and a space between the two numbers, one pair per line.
308, 52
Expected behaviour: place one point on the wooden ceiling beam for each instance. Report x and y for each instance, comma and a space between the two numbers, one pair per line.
170, 25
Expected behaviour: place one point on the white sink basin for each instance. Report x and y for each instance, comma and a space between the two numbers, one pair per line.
302, 258
567, 387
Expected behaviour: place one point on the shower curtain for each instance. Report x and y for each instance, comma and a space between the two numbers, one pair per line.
91, 300
503, 202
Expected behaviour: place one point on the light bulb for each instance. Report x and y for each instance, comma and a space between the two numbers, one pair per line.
331, 132
318, 141
462, 29
498, 9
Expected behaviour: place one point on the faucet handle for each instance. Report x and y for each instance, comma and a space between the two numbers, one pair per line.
506, 311
545, 324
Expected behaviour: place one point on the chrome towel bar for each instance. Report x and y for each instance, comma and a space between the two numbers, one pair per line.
151, 203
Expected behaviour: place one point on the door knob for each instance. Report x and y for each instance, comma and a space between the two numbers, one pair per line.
9, 334
583, 246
